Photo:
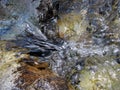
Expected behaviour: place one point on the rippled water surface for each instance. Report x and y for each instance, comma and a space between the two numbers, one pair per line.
80, 39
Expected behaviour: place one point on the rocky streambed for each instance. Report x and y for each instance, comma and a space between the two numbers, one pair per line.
59, 45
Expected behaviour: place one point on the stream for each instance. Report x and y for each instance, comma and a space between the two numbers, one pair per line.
66, 44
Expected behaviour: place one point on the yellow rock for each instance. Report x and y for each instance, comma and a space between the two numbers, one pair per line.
73, 26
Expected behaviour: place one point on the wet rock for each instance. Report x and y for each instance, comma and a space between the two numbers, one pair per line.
101, 74
73, 27
9, 58
45, 10
88, 31
27, 29
89, 21
118, 60
19, 71
48, 14
40, 78
78, 39
15, 16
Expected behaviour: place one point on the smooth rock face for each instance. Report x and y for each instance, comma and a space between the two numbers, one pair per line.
20, 72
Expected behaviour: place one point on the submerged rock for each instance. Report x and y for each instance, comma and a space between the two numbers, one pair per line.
78, 40
16, 16
73, 26
100, 73
19, 71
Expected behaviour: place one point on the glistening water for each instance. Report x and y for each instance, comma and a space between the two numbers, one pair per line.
80, 39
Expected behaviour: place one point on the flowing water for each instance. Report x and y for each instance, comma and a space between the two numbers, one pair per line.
80, 39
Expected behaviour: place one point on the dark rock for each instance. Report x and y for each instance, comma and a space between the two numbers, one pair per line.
118, 60
25, 72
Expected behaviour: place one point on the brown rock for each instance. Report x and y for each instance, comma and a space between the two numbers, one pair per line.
21, 72
39, 77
